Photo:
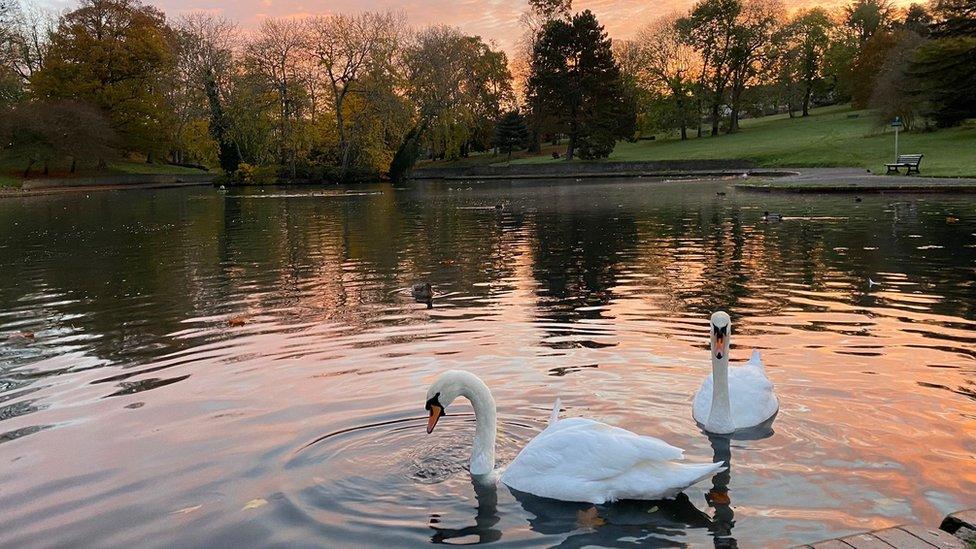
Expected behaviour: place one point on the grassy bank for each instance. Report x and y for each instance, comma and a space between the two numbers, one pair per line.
11, 176
831, 137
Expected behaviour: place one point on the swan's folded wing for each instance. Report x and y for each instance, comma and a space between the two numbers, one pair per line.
587, 450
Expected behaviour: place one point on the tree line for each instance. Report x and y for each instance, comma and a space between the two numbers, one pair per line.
354, 96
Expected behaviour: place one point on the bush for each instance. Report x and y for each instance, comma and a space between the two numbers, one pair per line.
248, 174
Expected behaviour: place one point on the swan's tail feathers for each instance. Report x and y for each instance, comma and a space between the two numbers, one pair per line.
554, 416
756, 358
701, 471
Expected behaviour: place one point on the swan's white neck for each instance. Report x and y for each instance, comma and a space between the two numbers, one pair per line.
483, 449
720, 415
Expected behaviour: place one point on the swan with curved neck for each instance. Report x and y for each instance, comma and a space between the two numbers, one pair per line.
574, 459
733, 398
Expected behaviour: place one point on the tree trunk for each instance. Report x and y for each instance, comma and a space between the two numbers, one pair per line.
806, 99
343, 140
27, 170
680, 103
46, 172
74, 162
715, 119
734, 119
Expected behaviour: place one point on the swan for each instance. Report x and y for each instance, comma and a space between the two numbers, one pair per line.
574, 459
744, 395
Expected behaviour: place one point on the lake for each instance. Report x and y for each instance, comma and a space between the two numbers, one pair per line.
245, 369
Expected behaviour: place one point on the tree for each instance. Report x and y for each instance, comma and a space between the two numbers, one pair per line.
511, 132
804, 42
277, 56
892, 95
347, 47
452, 80
710, 29
864, 18
668, 64
576, 79
917, 19
944, 69
116, 55
752, 51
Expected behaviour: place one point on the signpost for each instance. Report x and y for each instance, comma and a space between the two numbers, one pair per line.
896, 124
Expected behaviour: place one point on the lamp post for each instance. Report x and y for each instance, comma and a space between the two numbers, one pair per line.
896, 124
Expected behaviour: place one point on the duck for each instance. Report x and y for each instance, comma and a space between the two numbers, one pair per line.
573, 459
422, 292
744, 396
772, 216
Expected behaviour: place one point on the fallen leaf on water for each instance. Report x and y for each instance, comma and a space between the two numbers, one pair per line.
186, 510
237, 320
718, 498
255, 503
652, 509
589, 518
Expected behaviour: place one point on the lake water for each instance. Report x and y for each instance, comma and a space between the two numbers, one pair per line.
244, 369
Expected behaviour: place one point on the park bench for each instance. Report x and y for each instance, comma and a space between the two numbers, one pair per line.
910, 161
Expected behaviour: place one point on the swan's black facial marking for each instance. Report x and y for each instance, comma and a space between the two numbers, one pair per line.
436, 410
720, 335
433, 401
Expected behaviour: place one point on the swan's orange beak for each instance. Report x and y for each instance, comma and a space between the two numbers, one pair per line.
435, 413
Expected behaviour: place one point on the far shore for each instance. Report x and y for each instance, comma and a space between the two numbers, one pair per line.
110, 182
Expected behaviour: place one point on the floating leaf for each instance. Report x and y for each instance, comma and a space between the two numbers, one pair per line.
255, 503
186, 510
652, 509
239, 320
589, 518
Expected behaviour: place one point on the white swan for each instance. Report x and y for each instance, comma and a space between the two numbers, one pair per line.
742, 397
573, 459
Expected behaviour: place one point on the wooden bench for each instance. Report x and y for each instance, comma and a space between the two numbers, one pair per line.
910, 161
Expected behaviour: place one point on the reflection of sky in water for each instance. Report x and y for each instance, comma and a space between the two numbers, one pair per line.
138, 413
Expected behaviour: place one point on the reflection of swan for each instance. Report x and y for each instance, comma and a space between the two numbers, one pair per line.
573, 459
486, 493
718, 496
742, 397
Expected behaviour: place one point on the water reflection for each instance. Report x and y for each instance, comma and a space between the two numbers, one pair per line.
485, 519
599, 293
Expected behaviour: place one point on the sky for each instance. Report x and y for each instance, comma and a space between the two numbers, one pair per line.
493, 20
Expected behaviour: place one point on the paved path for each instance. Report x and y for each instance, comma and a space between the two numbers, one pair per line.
855, 180
958, 530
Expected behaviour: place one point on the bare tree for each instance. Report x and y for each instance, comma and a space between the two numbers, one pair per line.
278, 53
346, 47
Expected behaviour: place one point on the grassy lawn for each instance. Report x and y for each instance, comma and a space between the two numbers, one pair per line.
11, 172
828, 137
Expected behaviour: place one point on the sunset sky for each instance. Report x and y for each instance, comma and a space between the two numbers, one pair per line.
496, 20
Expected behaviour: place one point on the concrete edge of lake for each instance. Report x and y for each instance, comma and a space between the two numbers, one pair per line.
853, 180
583, 170
33, 187
957, 531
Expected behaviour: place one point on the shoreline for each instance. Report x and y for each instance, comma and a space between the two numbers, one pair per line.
117, 182
792, 180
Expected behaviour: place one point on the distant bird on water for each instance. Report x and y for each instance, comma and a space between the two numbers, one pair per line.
772, 216
422, 292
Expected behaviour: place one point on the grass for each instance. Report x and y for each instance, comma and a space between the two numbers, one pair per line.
11, 173
829, 137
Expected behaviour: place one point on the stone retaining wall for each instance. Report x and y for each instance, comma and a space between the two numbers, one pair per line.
123, 180
586, 169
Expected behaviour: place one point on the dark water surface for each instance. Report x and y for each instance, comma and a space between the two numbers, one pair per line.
139, 415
